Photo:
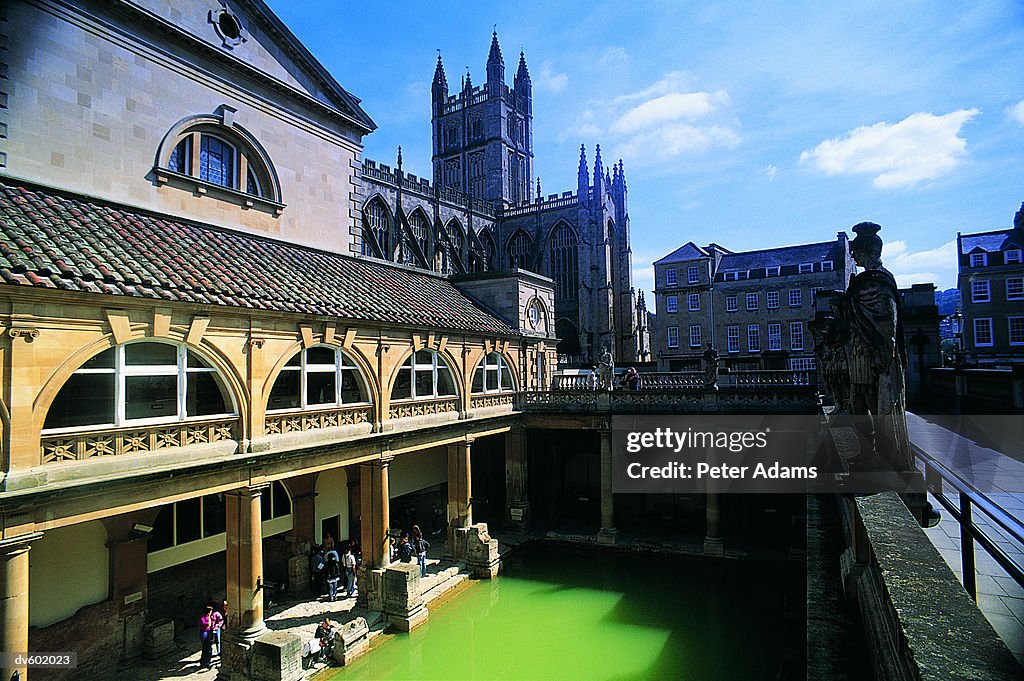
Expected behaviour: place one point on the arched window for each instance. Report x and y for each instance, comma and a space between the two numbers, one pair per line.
376, 222
520, 250
319, 377
424, 375
492, 375
138, 383
482, 256
419, 225
218, 155
565, 262
457, 238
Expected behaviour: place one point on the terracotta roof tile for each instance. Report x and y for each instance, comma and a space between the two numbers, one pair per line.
55, 240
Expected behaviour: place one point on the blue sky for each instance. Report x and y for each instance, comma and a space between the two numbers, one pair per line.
748, 124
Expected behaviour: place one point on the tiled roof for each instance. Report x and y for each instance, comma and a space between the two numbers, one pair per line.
990, 241
688, 251
59, 241
787, 255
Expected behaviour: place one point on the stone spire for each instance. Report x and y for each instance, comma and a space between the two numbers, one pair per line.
583, 176
495, 63
622, 174
539, 195
522, 73
439, 89
467, 83
598, 173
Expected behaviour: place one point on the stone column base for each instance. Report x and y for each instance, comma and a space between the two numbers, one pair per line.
517, 516
714, 546
403, 604
475, 545
370, 583
236, 654
351, 641
607, 535
277, 656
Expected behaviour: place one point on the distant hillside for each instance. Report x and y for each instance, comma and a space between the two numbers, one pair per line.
947, 301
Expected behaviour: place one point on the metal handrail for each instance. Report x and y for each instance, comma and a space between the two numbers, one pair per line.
970, 532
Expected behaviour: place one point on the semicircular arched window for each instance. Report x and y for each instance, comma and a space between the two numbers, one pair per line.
140, 383
424, 375
493, 375
319, 377
207, 155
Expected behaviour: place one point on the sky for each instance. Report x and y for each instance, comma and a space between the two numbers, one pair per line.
749, 124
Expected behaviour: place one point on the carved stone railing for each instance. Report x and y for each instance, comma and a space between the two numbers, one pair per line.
768, 377
668, 381
498, 400
405, 409
296, 421
136, 440
779, 399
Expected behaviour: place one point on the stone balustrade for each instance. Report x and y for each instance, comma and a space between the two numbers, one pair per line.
334, 417
135, 440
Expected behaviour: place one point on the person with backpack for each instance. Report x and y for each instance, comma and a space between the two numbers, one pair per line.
348, 562
419, 547
404, 549
332, 571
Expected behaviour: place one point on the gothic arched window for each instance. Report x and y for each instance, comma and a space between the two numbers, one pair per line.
565, 262
482, 257
520, 250
419, 225
376, 221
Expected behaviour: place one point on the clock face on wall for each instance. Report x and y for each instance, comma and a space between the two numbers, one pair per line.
534, 314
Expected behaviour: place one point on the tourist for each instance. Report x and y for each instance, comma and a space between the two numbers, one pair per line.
348, 562
328, 542
331, 554
206, 629
332, 571
632, 378
316, 569
404, 551
420, 546
217, 619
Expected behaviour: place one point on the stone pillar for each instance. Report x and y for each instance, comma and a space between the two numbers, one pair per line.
517, 513
608, 533
244, 580
375, 520
713, 545
14, 599
302, 489
127, 535
460, 512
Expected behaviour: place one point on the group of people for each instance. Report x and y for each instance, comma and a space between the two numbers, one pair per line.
211, 624
629, 380
412, 544
328, 567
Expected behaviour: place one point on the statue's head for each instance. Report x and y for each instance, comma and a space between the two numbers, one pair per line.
866, 248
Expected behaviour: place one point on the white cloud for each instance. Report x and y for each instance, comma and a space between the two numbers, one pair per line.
614, 55
660, 122
670, 107
937, 265
1016, 112
548, 80
921, 147
771, 171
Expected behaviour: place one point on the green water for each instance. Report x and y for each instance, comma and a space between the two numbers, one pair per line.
565, 614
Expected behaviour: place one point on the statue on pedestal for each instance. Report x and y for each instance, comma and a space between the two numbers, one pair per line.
606, 372
710, 367
828, 328
876, 356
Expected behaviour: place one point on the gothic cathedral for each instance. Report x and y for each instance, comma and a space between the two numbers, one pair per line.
481, 217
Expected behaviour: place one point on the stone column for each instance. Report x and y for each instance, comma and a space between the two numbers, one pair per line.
375, 520
518, 504
127, 535
244, 580
460, 511
14, 599
608, 533
302, 490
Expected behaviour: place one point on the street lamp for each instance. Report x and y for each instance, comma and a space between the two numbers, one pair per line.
956, 321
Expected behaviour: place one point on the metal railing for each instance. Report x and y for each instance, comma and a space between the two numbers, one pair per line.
962, 509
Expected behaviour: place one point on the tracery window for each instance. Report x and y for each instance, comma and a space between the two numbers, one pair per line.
140, 383
424, 375
520, 250
420, 231
565, 262
320, 376
492, 375
376, 221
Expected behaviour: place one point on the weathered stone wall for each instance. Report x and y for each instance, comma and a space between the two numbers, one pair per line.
95, 633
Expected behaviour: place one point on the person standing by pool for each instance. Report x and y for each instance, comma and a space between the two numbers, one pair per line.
207, 625
420, 546
348, 562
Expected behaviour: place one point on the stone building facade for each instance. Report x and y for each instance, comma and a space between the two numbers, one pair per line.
481, 213
197, 370
751, 306
991, 283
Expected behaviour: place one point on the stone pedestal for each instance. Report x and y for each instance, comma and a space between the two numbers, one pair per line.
714, 546
607, 535
351, 641
277, 656
403, 605
298, 575
479, 550
517, 513
371, 588
158, 638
